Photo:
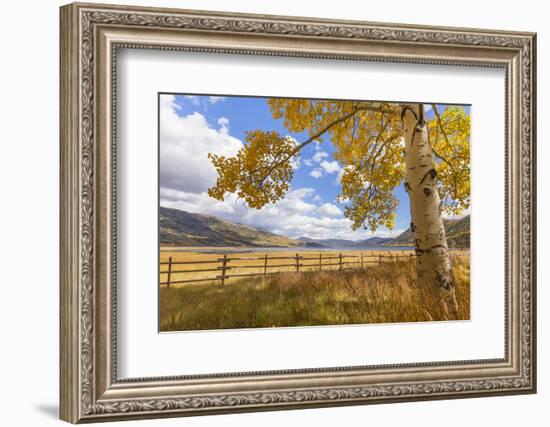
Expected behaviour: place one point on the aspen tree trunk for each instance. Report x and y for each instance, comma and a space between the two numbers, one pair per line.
433, 262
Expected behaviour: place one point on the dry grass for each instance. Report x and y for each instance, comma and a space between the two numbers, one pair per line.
382, 293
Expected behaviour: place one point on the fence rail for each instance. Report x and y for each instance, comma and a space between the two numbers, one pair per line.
224, 265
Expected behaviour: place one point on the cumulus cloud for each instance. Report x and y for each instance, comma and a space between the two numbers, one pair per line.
193, 98
339, 175
319, 155
447, 215
328, 209
330, 167
186, 173
295, 161
184, 146
223, 122
216, 99
294, 201
316, 173
292, 216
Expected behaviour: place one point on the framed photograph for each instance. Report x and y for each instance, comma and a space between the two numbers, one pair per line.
267, 212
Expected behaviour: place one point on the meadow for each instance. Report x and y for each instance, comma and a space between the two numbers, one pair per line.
384, 290
199, 266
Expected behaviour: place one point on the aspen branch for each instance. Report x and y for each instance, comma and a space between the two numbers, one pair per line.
324, 130
440, 126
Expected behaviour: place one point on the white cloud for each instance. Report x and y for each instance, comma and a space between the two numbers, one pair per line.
293, 202
292, 216
301, 193
427, 107
295, 163
198, 203
330, 167
195, 100
186, 174
316, 173
338, 179
308, 162
465, 212
328, 209
319, 155
216, 99
291, 139
223, 122
184, 146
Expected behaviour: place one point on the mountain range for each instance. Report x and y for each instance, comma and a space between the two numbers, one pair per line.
180, 228
344, 243
457, 232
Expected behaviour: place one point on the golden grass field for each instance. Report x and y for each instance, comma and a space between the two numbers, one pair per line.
383, 291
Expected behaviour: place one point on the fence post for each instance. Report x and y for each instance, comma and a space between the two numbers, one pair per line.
361, 261
341, 261
169, 272
410, 257
297, 264
379, 258
224, 265
397, 257
265, 265
320, 263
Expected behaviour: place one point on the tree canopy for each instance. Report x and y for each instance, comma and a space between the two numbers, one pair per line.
369, 146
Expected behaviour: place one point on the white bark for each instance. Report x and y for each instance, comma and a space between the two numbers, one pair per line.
433, 262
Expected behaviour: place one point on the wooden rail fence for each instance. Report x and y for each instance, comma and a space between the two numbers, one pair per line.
312, 263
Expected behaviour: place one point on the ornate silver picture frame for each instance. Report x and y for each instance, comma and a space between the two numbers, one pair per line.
91, 35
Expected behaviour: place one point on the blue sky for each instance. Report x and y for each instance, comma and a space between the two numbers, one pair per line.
219, 124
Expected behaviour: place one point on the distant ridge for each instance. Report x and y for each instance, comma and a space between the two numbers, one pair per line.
344, 243
457, 231
180, 228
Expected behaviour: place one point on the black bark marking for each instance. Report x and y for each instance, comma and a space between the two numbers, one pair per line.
407, 187
413, 228
427, 191
445, 281
404, 110
432, 174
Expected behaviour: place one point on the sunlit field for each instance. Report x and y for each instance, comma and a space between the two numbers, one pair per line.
378, 290
277, 261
